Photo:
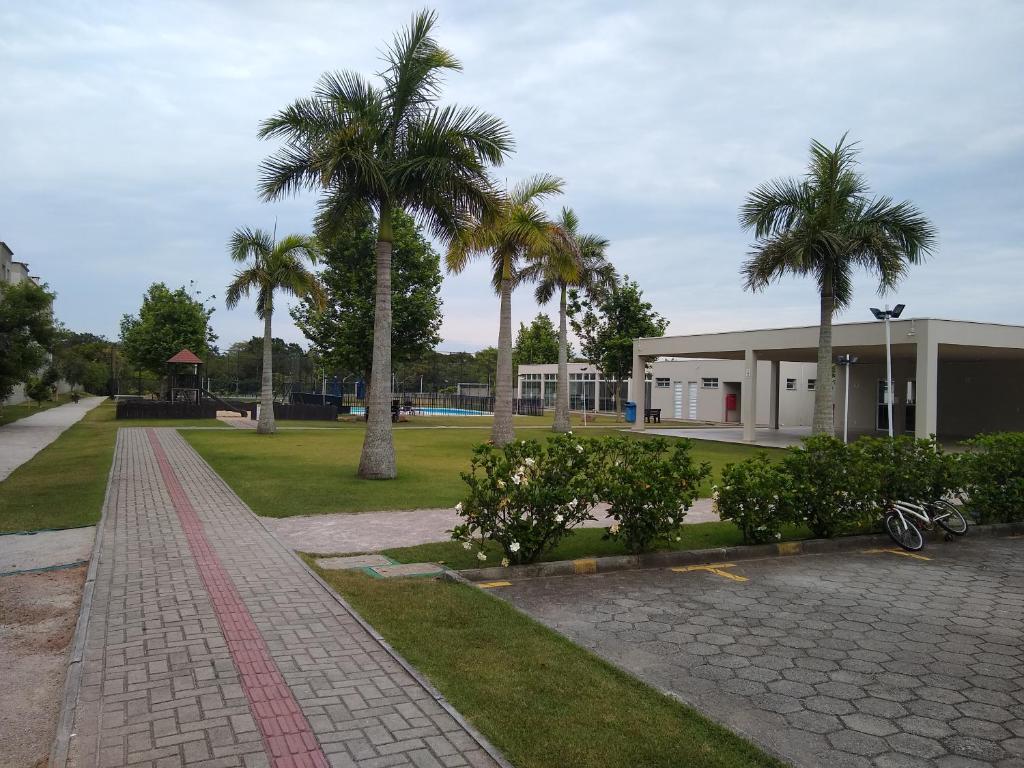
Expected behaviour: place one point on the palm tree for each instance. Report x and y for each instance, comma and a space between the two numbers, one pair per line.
274, 266
577, 261
390, 147
517, 231
825, 226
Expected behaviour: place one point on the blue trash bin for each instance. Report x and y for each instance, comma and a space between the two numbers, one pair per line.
630, 411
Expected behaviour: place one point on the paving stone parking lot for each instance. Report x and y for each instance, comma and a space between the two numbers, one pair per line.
847, 661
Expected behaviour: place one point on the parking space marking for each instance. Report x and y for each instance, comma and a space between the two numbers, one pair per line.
493, 584
715, 568
894, 551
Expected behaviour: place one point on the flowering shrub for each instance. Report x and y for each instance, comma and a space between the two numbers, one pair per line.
993, 477
903, 468
830, 489
648, 487
755, 495
526, 496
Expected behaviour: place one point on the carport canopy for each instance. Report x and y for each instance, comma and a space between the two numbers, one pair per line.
922, 340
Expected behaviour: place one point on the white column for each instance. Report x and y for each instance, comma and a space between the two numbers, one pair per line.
927, 411
773, 398
639, 387
749, 396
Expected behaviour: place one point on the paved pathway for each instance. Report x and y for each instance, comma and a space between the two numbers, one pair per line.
22, 439
374, 531
209, 644
46, 549
763, 436
848, 661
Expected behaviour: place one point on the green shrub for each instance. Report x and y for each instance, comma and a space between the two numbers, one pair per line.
755, 495
904, 468
648, 486
37, 389
526, 496
992, 473
830, 490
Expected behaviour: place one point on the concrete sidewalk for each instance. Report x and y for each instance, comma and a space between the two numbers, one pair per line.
22, 439
208, 643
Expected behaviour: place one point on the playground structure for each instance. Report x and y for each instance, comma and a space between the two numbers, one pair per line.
185, 397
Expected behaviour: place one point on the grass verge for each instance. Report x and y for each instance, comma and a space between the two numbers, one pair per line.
543, 701
63, 485
313, 471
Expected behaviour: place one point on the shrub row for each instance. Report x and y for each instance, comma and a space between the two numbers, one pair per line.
833, 488
528, 495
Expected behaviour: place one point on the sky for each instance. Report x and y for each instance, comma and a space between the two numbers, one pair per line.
128, 147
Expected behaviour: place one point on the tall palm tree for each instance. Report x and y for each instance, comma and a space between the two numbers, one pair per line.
389, 146
518, 230
271, 266
825, 226
576, 261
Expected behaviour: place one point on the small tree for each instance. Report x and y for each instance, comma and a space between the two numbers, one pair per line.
168, 322
536, 343
26, 332
606, 328
38, 390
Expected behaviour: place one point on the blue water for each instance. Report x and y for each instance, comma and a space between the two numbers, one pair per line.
358, 410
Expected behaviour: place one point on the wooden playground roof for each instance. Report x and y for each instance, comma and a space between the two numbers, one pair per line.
185, 356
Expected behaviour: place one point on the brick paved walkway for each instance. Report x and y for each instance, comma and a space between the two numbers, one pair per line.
208, 644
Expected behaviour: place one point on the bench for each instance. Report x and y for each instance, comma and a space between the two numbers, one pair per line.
652, 414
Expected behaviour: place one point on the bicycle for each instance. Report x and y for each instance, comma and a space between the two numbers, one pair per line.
904, 521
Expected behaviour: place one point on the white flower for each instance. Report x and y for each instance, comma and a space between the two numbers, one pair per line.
517, 479
513, 547
458, 507
522, 442
579, 448
778, 535
529, 462
596, 498
559, 518
504, 562
569, 432
671, 521
481, 556
613, 528
467, 546
677, 538
572, 504
501, 484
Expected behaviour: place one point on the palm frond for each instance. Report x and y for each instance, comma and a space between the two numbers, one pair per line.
416, 64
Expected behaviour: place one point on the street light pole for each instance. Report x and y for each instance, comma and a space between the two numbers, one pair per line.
846, 361
886, 315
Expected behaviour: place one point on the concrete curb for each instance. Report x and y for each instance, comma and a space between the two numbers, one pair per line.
595, 565
73, 680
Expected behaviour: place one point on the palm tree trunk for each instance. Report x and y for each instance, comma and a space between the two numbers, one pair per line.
562, 393
823, 394
377, 461
266, 425
502, 432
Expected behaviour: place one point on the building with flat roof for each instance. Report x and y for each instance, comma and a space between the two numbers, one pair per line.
952, 378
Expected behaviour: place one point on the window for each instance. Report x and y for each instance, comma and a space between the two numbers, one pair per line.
810, 384
791, 385
709, 382
662, 383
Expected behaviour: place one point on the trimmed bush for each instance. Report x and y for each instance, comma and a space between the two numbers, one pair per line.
755, 495
648, 484
526, 496
904, 468
830, 490
992, 473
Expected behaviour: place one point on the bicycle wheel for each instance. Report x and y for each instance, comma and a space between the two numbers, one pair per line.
903, 533
949, 517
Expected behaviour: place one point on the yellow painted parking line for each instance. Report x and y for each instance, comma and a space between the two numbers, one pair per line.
789, 548
715, 568
894, 551
493, 584
583, 566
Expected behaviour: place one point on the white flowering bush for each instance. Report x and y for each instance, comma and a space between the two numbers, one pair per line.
526, 496
649, 484
755, 495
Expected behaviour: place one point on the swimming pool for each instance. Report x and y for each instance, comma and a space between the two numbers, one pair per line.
358, 410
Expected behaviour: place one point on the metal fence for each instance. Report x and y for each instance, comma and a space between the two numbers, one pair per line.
430, 402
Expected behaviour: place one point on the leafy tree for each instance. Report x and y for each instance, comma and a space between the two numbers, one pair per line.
271, 266
536, 342
520, 230
342, 332
606, 328
168, 322
825, 226
579, 261
38, 390
84, 360
390, 147
26, 332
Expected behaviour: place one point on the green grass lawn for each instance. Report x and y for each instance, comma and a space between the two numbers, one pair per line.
313, 471
540, 699
63, 485
11, 413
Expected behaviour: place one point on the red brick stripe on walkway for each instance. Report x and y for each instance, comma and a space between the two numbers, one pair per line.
286, 731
